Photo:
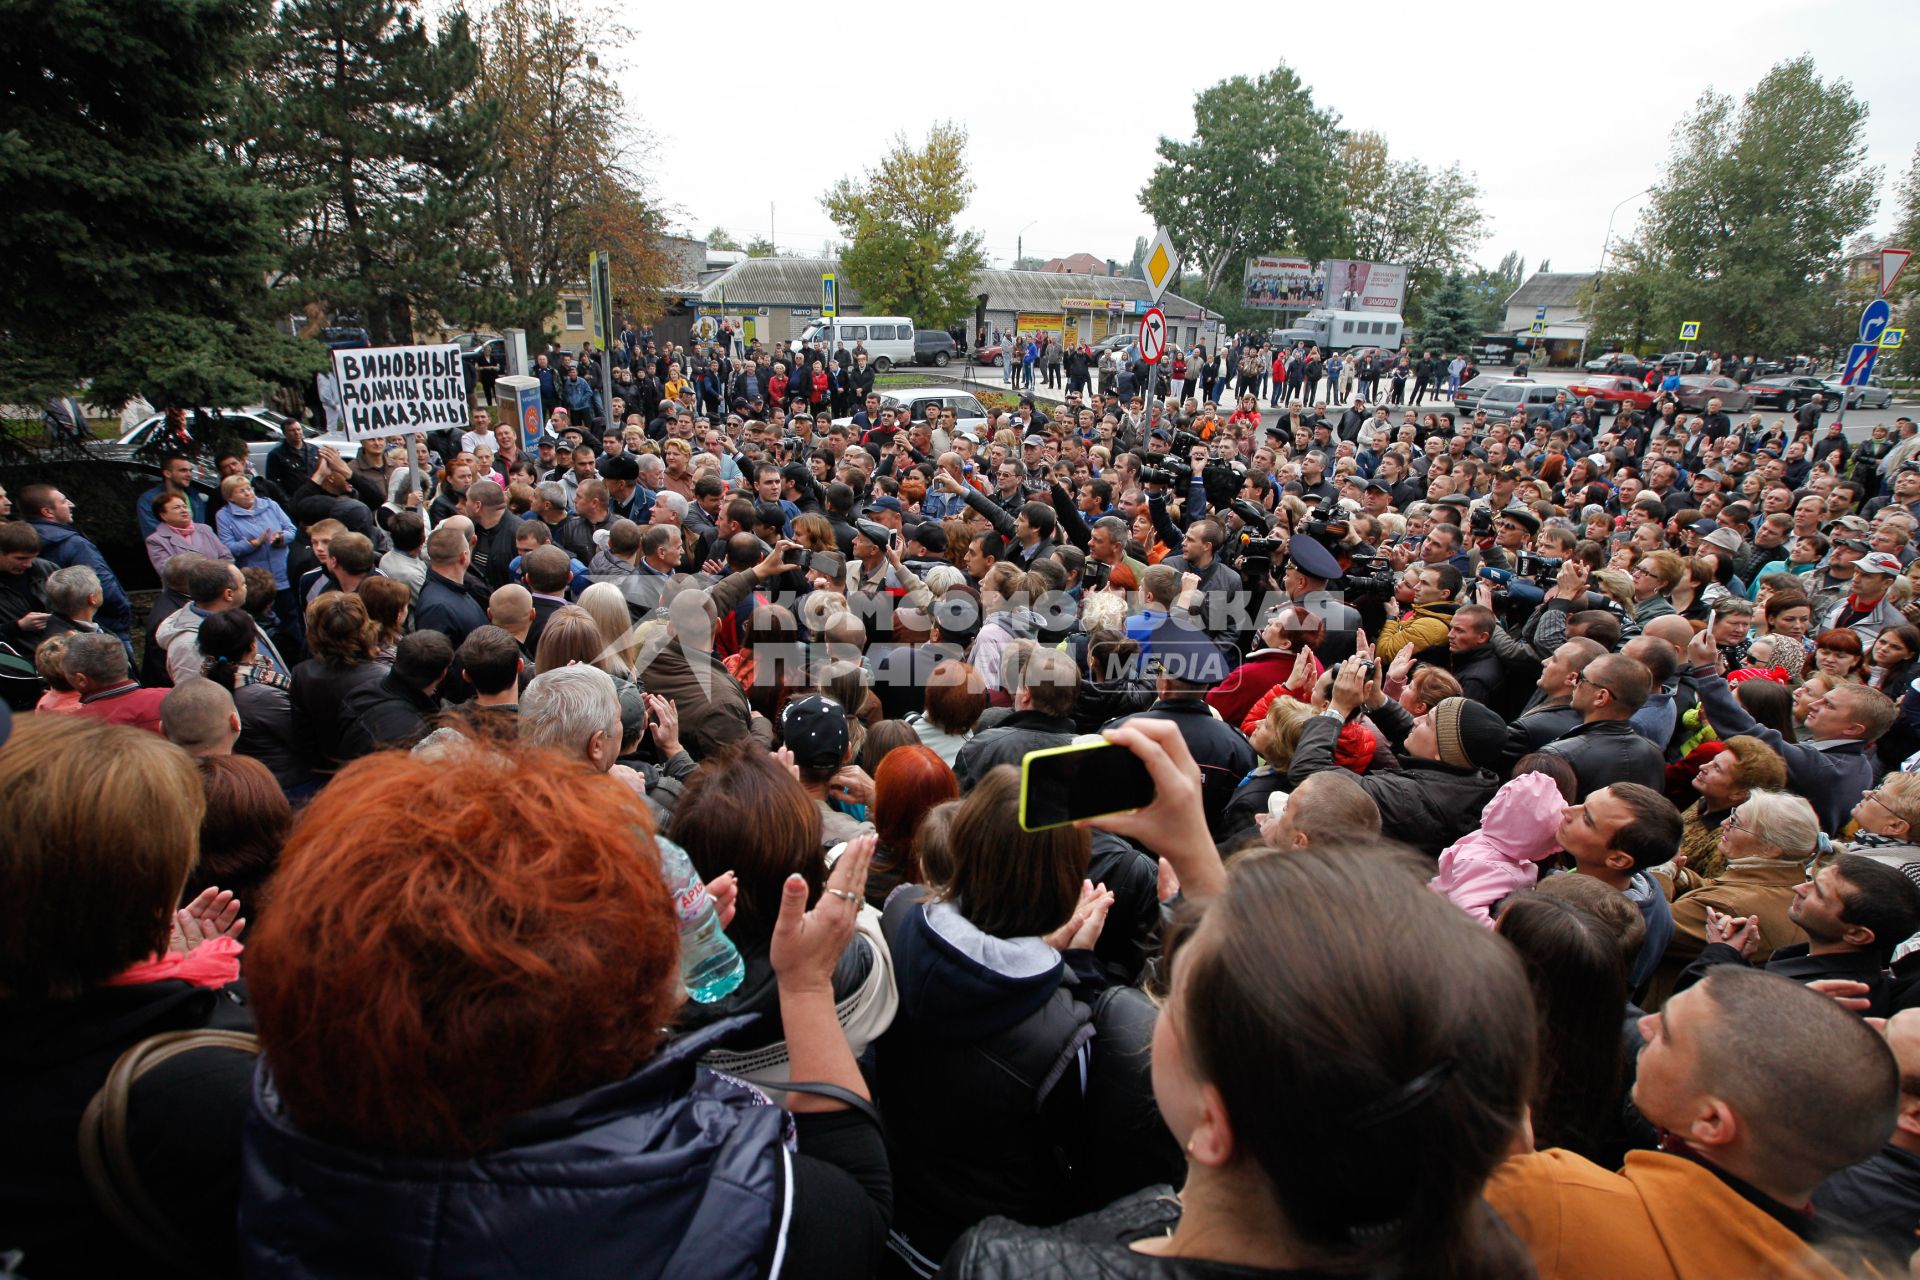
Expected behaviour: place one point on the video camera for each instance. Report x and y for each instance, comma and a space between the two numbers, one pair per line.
1544, 570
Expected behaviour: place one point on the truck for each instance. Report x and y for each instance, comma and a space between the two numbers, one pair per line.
1339, 330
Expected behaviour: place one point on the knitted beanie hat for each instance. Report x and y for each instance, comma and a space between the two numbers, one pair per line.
1470, 735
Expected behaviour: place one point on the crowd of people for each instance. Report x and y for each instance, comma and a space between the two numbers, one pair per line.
1528, 883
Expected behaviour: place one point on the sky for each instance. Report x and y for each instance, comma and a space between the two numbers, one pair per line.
1558, 116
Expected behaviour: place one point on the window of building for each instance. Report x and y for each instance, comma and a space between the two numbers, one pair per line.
576, 314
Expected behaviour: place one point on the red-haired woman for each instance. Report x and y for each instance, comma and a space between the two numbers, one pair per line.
460, 994
909, 782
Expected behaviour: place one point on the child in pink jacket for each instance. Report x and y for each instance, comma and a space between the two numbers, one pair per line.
1516, 831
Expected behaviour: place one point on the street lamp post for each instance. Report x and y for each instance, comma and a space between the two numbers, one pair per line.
1020, 244
1594, 298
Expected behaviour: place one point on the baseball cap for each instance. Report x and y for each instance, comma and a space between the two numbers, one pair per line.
886, 502
1877, 562
1725, 539
930, 534
1034, 441
814, 729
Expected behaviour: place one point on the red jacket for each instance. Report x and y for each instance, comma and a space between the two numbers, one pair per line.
127, 704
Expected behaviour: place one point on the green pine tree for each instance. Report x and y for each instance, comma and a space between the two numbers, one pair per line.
359, 111
1447, 319
132, 258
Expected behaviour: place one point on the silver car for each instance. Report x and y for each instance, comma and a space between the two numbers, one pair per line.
1871, 394
258, 428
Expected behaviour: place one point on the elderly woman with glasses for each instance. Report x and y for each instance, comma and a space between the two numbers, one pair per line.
1768, 841
1744, 765
1888, 817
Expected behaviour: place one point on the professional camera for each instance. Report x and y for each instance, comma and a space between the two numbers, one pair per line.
1327, 524
1480, 522
1171, 471
1252, 516
1544, 570
1223, 481
1185, 442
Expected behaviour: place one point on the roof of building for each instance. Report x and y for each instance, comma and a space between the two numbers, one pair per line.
786, 282
1081, 264
1551, 289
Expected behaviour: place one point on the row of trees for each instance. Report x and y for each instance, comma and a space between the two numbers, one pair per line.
1746, 230
1268, 169
185, 176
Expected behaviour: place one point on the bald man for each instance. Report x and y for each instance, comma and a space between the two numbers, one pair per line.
199, 717
510, 608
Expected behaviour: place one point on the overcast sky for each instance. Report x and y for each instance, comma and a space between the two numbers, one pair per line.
1557, 114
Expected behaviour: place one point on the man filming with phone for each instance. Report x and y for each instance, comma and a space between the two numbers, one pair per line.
1447, 757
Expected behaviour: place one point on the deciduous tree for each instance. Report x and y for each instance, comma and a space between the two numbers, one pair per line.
1746, 229
1401, 211
565, 184
905, 253
1260, 175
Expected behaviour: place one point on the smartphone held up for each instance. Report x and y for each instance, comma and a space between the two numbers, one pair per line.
1090, 778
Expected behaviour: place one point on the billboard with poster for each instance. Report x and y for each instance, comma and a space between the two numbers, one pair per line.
1363, 286
1279, 283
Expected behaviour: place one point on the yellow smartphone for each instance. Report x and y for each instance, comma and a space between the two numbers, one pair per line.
1089, 778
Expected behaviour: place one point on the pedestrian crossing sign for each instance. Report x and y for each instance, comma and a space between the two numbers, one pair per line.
1890, 339
1539, 328
1689, 330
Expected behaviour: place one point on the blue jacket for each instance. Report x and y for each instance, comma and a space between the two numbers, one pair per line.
673, 1173
65, 545
237, 527
582, 400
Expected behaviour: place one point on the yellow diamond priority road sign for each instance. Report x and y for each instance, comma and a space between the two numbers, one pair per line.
1162, 263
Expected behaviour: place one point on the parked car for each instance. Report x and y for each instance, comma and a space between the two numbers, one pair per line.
1698, 388
1121, 339
989, 354
1617, 362
969, 413
1613, 391
1509, 397
1872, 394
1787, 392
934, 347
345, 337
259, 429
1467, 399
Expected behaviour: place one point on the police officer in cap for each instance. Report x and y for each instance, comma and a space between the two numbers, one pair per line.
1311, 580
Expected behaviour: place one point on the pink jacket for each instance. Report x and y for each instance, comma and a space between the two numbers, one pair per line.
1516, 831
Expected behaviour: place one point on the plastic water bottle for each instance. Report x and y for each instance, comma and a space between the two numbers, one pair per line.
710, 965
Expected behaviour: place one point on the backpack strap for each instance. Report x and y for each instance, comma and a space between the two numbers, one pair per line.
834, 1091
106, 1161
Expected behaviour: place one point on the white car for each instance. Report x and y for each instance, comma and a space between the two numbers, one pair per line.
969, 414
1872, 394
258, 428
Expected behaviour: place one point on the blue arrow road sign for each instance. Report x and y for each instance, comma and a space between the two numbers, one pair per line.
1874, 319
1859, 363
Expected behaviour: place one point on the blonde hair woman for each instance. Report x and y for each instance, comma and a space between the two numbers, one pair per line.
608, 608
